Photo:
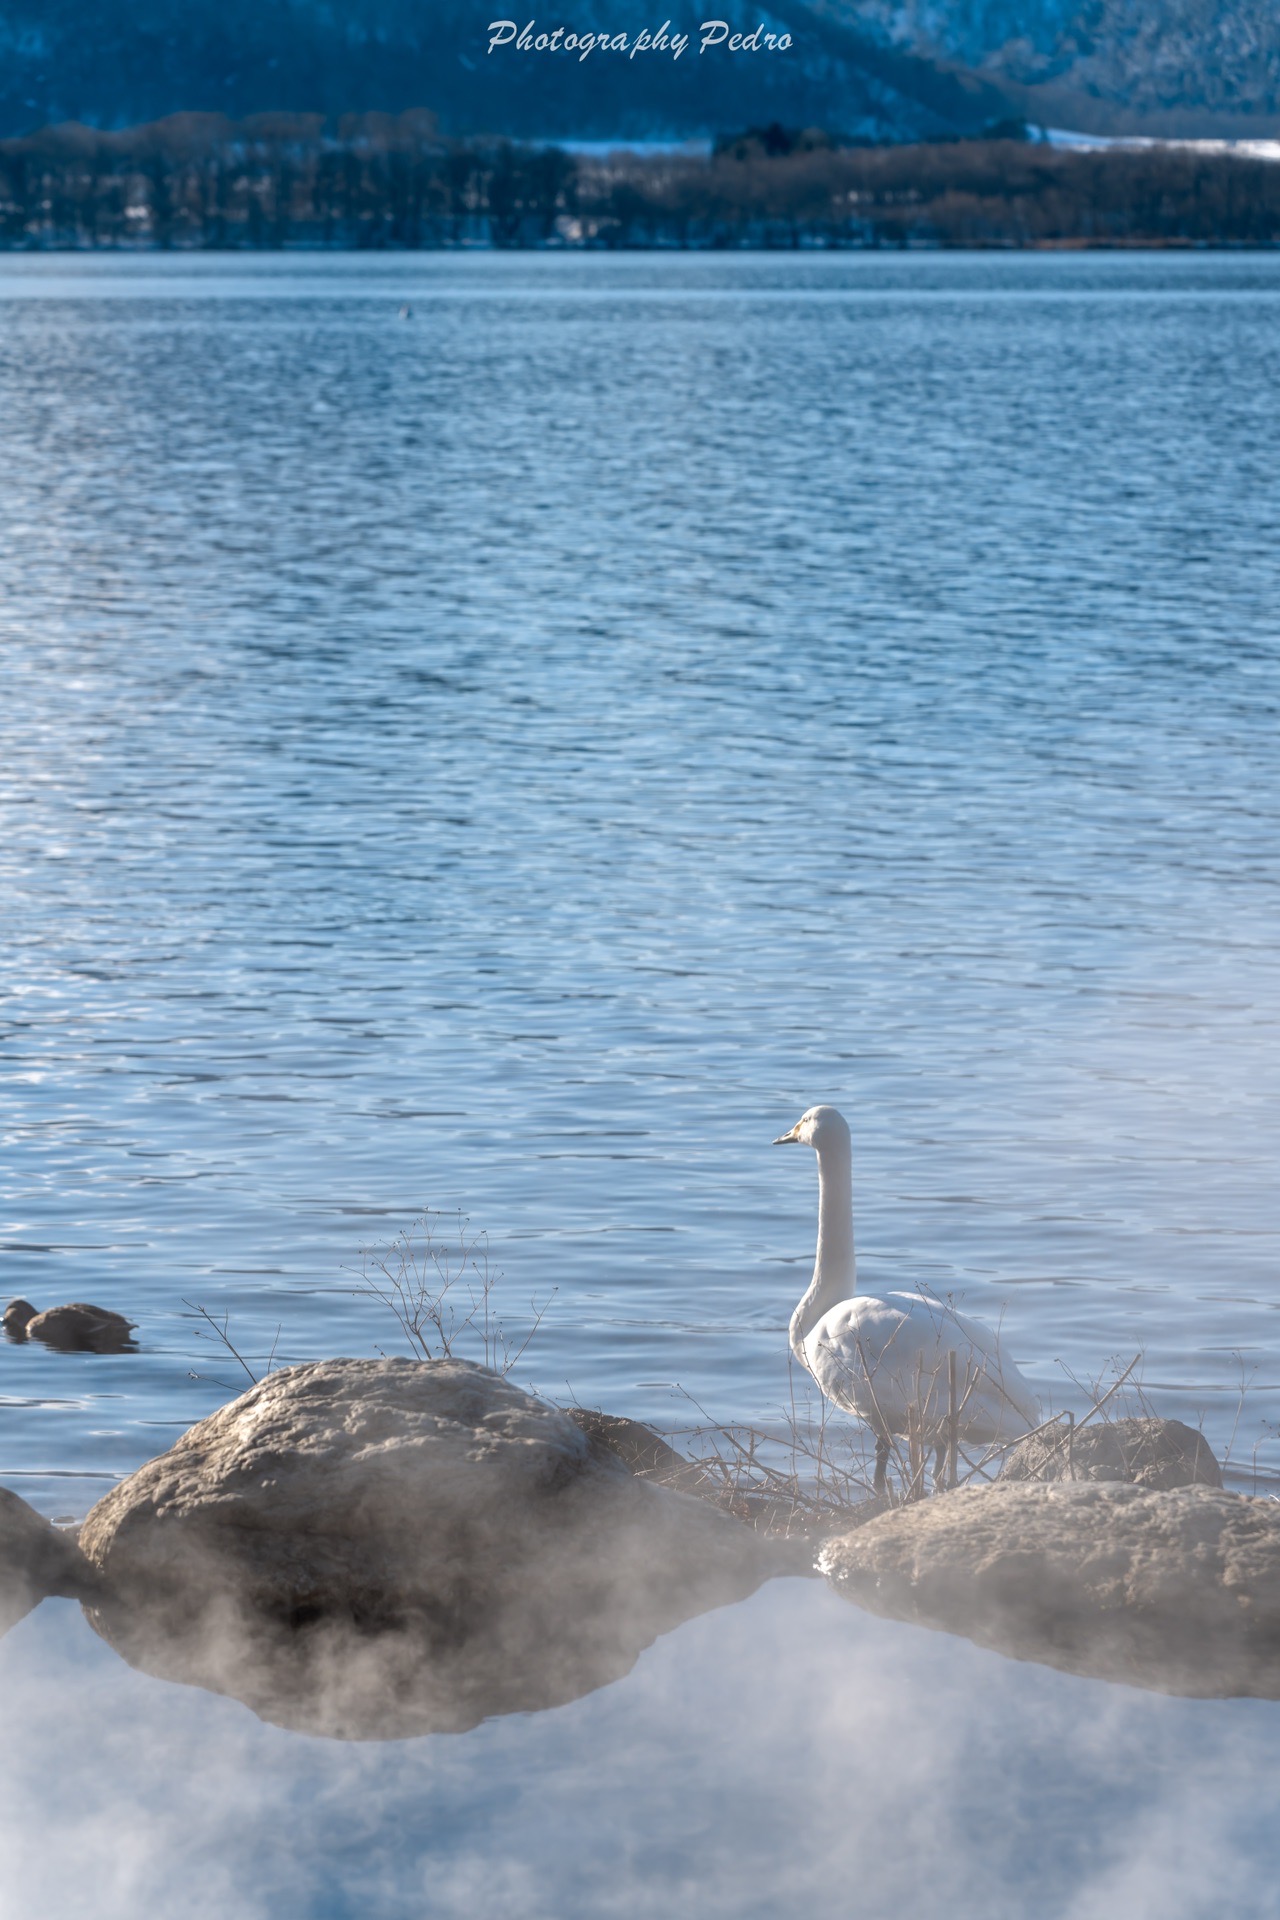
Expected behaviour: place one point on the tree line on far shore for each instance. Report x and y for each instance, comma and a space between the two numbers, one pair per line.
374, 181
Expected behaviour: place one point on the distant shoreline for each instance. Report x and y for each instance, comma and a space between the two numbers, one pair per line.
302, 249
196, 184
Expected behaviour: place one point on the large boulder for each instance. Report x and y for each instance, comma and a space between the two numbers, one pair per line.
373, 1548
1160, 1454
1176, 1591
35, 1561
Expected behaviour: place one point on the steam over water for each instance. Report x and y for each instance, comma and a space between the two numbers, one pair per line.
516, 758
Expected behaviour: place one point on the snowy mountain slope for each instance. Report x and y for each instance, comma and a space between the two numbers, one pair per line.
1195, 65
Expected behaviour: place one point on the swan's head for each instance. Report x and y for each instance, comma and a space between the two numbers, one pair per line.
17, 1315
819, 1128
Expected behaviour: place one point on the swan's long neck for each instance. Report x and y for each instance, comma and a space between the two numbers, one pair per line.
834, 1268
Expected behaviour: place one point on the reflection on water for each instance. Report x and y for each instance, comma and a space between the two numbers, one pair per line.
339, 1680
759, 1762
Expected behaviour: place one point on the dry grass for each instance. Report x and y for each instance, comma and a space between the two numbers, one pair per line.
438, 1285
814, 1468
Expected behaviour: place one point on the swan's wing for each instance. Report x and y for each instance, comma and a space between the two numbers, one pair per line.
998, 1373
886, 1356
873, 1357
1013, 1386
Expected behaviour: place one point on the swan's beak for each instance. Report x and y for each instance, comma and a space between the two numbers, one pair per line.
783, 1138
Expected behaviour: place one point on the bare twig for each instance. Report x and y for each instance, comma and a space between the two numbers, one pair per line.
1235, 1424
219, 1332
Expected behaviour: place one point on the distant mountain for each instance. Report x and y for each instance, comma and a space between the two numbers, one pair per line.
876, 69
1116, 66
113, 63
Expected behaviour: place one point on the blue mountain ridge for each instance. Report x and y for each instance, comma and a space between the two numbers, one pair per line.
871, 69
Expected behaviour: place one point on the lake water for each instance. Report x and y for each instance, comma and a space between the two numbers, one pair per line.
513, 758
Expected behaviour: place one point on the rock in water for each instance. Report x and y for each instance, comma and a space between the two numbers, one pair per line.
1178, 1592
378, 1548
1160, 1454
35, 1561
645, 1452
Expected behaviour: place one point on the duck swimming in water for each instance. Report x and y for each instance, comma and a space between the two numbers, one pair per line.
75, 1328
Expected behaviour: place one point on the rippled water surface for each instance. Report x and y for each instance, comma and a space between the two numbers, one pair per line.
515, 757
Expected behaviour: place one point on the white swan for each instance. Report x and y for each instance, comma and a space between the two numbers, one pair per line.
885, 1357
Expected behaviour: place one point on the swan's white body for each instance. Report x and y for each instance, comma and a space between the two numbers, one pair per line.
886, 1357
